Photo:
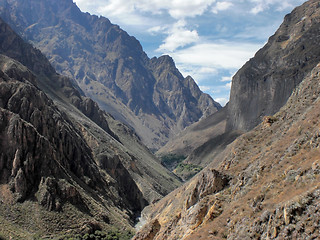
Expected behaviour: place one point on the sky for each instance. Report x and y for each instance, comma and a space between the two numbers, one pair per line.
208, 39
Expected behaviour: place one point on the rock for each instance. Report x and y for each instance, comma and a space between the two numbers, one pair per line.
287, 216
20, 185
48, 193
208, 182
150, 231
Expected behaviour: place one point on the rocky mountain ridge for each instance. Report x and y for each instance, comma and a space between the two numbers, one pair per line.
110, 66
60, 152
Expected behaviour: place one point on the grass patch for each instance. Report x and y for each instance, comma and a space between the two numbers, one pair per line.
186, 171
171, 161
101, 235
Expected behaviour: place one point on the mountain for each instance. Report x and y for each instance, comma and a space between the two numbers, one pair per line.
264, 185
150, 95
263, 85
66, 166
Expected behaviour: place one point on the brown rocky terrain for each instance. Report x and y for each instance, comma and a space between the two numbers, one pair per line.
66, 166
264, 185
150, 95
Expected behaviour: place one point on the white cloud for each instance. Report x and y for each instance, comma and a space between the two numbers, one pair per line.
205, 61
221, 6
206, 70
130, 12
205, 88
279, 5
225, 55
178, 36
157, 29
222, 101
177, 9
226, 79
257, 9
228, 85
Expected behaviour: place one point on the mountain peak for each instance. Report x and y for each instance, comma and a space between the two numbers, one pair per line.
164, 59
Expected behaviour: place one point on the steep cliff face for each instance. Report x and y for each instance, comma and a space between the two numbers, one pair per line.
111, 68
263, 85
60, 152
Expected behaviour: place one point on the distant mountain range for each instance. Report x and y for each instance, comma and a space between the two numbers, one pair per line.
150, 95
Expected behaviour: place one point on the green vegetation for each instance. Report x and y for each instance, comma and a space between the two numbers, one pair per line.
188, 167
100, 235
187, 171
171, 161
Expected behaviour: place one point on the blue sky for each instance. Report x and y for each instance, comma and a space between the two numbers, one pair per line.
208, 39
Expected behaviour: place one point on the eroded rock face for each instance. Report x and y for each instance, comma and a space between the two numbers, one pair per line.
37, 140
264, 84
184, 210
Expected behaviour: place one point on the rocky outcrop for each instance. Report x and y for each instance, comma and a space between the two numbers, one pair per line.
264, 84
186, 209
110, 66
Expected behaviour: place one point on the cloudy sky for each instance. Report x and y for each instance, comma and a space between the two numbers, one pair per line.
208, 39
